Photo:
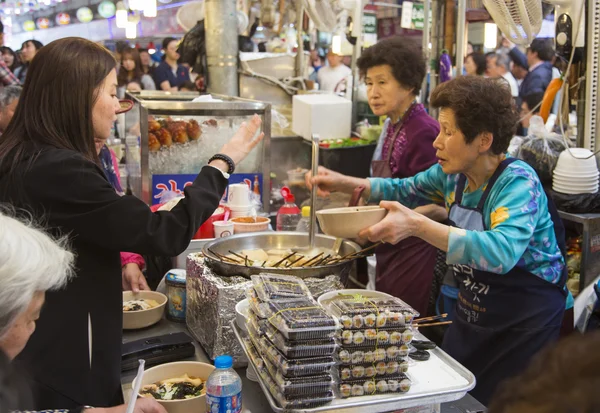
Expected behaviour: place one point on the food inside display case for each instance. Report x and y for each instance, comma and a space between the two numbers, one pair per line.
169, 138
183, 144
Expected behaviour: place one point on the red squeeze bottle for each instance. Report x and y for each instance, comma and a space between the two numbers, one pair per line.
289, 214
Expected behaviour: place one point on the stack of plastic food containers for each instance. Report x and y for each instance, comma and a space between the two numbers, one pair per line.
295, 339
375, 338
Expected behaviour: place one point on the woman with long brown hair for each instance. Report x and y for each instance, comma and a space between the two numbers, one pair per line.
49, 167
131, 71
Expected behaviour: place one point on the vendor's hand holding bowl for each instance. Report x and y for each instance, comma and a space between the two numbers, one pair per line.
400, 223
242, 143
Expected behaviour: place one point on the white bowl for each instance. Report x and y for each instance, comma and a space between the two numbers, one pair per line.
241, 313
350, 221
573, 191
578, 173
133, 320
177, 369
575, 188
577, 160
575, 183
590, 176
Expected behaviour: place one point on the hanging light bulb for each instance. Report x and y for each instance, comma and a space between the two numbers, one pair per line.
131, 30
121, 14
150, 8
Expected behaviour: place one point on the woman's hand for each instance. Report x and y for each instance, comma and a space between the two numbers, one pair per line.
242, 143
142, 405
400, 223
328, 181
133, 279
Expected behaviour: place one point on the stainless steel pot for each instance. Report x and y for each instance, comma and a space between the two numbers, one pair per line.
276, 240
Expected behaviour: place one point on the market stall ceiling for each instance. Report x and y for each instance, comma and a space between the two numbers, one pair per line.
17, 7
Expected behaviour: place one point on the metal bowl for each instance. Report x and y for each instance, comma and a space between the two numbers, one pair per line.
276, 240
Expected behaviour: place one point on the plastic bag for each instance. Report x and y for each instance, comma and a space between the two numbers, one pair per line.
576, 204
279, 119
540, 149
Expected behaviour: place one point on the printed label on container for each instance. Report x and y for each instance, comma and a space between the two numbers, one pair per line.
227, 404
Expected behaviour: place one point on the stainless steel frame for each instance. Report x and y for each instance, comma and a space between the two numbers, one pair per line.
179, 104
162, 95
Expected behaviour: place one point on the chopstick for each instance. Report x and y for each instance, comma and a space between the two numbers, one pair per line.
136, 387
443, 323
433, 318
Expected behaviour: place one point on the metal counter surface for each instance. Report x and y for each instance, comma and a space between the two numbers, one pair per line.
254, 399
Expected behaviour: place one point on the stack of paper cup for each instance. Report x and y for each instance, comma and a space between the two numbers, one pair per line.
238, 200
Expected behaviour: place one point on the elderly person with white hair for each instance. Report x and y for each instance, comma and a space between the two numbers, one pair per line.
9, 99
498, 66
31, 263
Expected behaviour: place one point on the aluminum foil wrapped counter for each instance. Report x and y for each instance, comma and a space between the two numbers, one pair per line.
211, 301
211, 304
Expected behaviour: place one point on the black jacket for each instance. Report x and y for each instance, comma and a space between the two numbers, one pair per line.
73, 197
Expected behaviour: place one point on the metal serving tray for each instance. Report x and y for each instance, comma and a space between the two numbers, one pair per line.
441, 379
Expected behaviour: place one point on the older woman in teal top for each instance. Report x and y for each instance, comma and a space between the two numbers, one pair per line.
521, 230
504, 242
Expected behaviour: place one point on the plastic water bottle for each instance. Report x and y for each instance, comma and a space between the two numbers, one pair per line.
224, 388
289, 214
304, 223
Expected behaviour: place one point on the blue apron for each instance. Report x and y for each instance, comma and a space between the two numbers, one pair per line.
501, 320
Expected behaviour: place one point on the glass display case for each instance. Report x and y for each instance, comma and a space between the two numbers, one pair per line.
168, 138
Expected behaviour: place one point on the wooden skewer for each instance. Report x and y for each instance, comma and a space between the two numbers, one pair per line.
278, 263
246, 260
432, 318
443, 323
357, 254
362, 252
237, 255
319, 262
290, 264
231, 259
223, 257
316, 257
327, 261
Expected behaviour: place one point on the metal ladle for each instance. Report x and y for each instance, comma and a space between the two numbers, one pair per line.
313, 194
310, 249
